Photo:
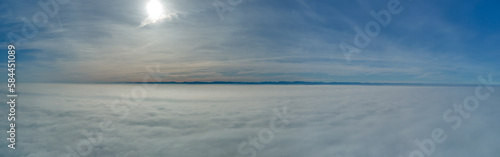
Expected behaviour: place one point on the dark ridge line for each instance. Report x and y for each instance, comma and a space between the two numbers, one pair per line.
295, 83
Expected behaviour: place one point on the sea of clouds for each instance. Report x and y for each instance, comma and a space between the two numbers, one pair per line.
215, 120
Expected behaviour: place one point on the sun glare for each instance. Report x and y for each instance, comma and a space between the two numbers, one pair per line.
155, 10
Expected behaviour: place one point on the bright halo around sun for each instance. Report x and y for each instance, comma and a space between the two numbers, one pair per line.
155, 10
156, 13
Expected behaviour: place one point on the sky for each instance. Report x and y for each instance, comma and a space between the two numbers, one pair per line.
252, 40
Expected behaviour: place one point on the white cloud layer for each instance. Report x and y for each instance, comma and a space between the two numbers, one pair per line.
212, 120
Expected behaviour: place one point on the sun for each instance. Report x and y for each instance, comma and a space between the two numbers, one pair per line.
155, 10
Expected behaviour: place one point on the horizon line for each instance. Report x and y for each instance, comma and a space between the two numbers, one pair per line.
285, 83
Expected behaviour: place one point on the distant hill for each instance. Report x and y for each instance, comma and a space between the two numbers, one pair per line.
305, 83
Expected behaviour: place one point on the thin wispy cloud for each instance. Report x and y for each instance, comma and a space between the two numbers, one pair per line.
261, 39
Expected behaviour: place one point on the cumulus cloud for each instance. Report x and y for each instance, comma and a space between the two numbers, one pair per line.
212, 120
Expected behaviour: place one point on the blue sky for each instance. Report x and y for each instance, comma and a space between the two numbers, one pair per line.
283, 40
